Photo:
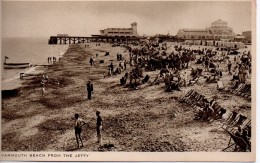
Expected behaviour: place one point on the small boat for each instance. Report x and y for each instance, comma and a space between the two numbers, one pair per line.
16, 65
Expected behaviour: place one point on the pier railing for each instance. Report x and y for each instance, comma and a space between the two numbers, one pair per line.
81, 39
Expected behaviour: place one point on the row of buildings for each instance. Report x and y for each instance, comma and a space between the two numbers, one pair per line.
219, 30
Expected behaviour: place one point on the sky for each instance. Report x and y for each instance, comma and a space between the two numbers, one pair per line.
82, 18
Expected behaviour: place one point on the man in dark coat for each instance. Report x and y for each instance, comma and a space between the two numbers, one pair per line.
89, 89
91, 61
99, 127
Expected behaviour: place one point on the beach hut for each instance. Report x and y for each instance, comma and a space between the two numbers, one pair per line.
198, 42
210, 43
241, 45
229, 44
217, 43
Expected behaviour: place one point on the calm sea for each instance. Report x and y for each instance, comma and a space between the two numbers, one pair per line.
32, 50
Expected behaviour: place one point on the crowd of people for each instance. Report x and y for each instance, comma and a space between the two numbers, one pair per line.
180, 68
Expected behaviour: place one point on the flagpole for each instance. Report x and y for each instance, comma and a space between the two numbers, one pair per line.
6, 58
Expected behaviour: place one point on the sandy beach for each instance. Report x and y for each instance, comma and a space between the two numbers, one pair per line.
142, 120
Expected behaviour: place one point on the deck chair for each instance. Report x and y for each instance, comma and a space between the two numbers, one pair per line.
240, 87
246, 90
189, 99
230, 119
238, 142
187, 95
240, 120
236, 88
246, 124
192, 82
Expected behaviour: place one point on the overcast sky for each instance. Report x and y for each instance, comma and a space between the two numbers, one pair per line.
42, 19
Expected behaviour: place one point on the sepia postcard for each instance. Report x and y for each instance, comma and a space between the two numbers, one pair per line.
128, 80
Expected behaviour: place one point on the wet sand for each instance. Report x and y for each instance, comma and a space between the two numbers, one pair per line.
147, 119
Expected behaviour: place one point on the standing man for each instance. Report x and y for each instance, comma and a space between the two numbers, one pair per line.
206, 64
78, 128
112, 67
89, 89
91, 61
229, 67
125, 64
99, 127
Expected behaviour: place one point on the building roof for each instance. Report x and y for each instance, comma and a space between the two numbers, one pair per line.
240, 37
118, 29
195, 30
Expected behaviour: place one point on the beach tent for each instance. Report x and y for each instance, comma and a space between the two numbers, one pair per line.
241, 45
229, 44
218, 43
209, 43
197, 42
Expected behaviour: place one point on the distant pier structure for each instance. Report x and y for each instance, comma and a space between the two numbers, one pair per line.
66, 39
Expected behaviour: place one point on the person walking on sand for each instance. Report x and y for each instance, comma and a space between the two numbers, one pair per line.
125, 64
94, 60
229, 67
91, 61
89, 89
43, 87
99, 127
78, 128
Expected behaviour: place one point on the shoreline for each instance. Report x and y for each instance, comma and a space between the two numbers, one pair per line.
14, 82
130, 116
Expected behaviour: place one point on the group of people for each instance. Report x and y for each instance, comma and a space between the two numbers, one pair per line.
79, 123
92, 61
210, 111
112, 69
173, 80
242, 67
119, 57
44, 81
52, 59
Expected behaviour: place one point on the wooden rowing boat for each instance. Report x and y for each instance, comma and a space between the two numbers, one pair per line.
16, 65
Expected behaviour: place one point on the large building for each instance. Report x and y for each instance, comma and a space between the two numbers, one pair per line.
248, 36
120, 32
218, 30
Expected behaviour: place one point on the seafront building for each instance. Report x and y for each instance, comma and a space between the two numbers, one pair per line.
219, 30
248, 36
120, 32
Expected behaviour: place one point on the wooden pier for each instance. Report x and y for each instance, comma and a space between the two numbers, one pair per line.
82, 39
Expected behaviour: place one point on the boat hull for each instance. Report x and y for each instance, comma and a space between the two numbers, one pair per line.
16, 65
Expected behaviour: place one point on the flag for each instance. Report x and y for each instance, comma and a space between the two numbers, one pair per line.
6, 57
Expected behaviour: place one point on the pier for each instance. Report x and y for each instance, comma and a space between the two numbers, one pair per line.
93, 38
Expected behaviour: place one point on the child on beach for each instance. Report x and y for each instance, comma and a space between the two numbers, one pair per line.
79, 123
43, 87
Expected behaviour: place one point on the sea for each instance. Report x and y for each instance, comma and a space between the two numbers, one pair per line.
20, 50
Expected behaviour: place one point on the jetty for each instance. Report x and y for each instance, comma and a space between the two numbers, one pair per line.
66, 39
